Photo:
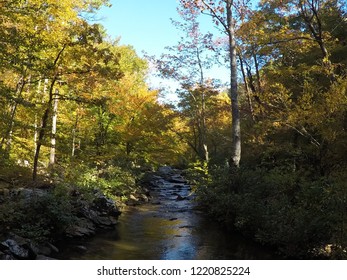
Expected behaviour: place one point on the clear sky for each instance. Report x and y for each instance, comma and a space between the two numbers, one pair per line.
144, 24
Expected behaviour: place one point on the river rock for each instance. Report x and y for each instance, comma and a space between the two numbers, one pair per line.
143, 198
105, 222
165, 170
52, 247
105, 204
82, 228
44, 250
180, 198
15, 249
132, 200
19, 247
177, 179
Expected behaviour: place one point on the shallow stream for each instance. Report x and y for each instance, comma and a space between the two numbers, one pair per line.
168, 228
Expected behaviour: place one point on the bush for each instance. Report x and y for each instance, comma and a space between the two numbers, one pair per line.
40, 218
278, 207
111, 180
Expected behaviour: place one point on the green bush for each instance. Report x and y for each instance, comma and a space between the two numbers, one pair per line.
279, 207
111, 180
41, 218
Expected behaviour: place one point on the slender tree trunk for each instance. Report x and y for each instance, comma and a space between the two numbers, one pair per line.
54, 129
73, 142
248, 93
38, 93
203, 144
74, 132
45, 116
43, 128
256, 63
236, 124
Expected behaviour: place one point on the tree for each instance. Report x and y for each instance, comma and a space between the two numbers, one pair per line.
187, 63
222, 14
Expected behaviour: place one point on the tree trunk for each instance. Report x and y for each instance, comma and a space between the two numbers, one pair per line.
236, 125
44, 124
202, 118
248, 93
54, 129
45, 116
38, 93
256, 63
74, 132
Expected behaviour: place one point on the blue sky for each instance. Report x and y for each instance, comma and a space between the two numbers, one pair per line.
144, 24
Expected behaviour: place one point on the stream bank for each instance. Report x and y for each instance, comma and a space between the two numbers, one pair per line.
36, 221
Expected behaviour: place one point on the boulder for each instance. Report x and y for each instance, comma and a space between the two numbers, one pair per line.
82, 228
15, 249
20, 248
46, 249
105, 222
104, 204
143, 198
165, 170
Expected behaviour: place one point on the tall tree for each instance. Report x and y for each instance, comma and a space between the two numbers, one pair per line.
187, 63
222, 14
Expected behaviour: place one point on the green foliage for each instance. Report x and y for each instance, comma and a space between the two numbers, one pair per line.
198, 174
111, 180
279, 207
38, 217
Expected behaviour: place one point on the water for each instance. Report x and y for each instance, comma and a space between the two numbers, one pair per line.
171, 230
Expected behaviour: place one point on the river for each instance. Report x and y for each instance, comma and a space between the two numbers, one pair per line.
170, 227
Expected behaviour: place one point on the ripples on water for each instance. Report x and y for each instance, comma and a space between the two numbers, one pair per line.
172, 230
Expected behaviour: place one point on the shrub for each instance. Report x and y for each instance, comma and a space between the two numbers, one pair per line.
278, 207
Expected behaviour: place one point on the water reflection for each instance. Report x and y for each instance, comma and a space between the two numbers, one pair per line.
172, 230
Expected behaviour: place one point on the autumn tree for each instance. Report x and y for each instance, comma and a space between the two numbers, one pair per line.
187, 64
222, 14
